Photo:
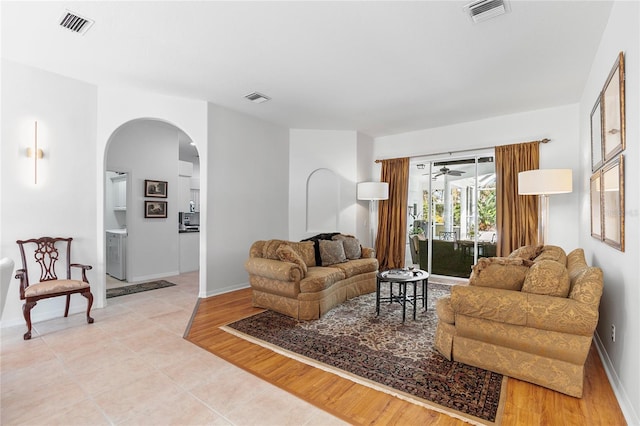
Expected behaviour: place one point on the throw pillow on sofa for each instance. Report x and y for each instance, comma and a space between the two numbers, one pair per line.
527, 252
554, 253
331, 252
500, 272
547, 277
316, 244
287, 254
351, 245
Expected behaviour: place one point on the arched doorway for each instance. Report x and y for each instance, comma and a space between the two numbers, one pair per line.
141, 153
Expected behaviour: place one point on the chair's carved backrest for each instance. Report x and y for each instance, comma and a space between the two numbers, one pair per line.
45, 254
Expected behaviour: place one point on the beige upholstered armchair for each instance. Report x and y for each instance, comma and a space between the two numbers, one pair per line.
530, 317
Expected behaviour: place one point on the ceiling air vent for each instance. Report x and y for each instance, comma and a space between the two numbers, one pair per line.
74, 22
486, 9
257, 98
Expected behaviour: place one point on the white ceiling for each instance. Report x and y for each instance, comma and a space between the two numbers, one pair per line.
377, 67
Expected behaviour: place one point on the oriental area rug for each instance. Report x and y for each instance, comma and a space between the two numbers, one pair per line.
137, 288
384, 354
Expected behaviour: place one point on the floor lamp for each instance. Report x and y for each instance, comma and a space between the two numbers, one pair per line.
544, 182
373, 191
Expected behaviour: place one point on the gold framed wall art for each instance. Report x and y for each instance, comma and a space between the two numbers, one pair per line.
612, 203
613, 111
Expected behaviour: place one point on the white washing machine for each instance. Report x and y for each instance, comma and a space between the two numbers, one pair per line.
117, 253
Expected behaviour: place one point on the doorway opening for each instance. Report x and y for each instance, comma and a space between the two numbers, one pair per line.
143, 247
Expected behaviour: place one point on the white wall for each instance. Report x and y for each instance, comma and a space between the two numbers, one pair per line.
248, 188
619, 303
63, 201
148, 149
116, 107
559, 124
313, 150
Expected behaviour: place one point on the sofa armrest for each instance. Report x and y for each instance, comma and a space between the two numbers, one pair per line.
368, 253
526, 309
273, 269
494, 304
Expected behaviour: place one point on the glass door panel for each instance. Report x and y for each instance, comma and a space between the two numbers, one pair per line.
453, 214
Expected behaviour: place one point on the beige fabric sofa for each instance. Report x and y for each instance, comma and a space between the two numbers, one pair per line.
297, 287
530, 317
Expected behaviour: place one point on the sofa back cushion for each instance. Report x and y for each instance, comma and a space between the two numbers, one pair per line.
316, 240
554, 253
500, 272
547, 277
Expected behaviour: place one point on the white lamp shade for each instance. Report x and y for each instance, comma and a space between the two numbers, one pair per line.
545, 182
373, 191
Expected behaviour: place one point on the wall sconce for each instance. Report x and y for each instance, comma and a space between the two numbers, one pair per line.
35, 152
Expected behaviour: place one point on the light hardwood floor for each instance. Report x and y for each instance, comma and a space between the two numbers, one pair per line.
526, 404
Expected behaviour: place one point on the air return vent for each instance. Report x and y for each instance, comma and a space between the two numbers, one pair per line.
74, 22
486, 9
257, 98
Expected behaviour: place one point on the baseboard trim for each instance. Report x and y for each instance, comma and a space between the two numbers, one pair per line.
229, 289
628, 411
145, 278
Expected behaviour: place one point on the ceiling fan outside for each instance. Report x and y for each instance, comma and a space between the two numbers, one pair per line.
447, 171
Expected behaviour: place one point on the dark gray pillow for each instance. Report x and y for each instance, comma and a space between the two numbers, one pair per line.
331, 252
351, 245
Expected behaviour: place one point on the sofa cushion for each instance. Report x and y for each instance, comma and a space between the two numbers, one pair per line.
576, 263
351, 246
287, 254
554, 253
320, 278
331, 252
316, 246
547, 277
529, 252
500, 272
357, 267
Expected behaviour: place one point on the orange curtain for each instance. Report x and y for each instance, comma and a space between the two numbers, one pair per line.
517, 215
392, 214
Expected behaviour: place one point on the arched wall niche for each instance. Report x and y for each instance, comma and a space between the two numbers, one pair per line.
323, 201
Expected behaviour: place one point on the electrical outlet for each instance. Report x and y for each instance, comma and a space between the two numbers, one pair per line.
613, 333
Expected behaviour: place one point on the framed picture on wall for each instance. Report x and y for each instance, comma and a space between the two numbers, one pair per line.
155, 188
596, 205
613, 114
155, 209
613, 203
596, 136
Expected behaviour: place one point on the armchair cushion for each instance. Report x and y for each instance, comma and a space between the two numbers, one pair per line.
286, 253
529, 252
547, 277
554, 253
54, 286
500, 272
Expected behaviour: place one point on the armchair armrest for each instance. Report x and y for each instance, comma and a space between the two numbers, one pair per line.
85, 268
494, 304
273, 269
21, 274
526, 309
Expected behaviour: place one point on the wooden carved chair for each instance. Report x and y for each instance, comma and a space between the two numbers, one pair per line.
45, 254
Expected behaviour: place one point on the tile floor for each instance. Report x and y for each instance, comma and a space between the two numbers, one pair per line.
132, 367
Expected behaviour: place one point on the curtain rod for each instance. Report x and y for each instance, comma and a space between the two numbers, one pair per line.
545, 140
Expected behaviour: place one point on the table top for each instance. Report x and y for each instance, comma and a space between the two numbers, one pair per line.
403, 275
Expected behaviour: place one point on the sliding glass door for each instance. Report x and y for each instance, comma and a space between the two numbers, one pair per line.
452, 208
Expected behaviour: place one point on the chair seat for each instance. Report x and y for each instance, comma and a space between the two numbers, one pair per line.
54, 286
